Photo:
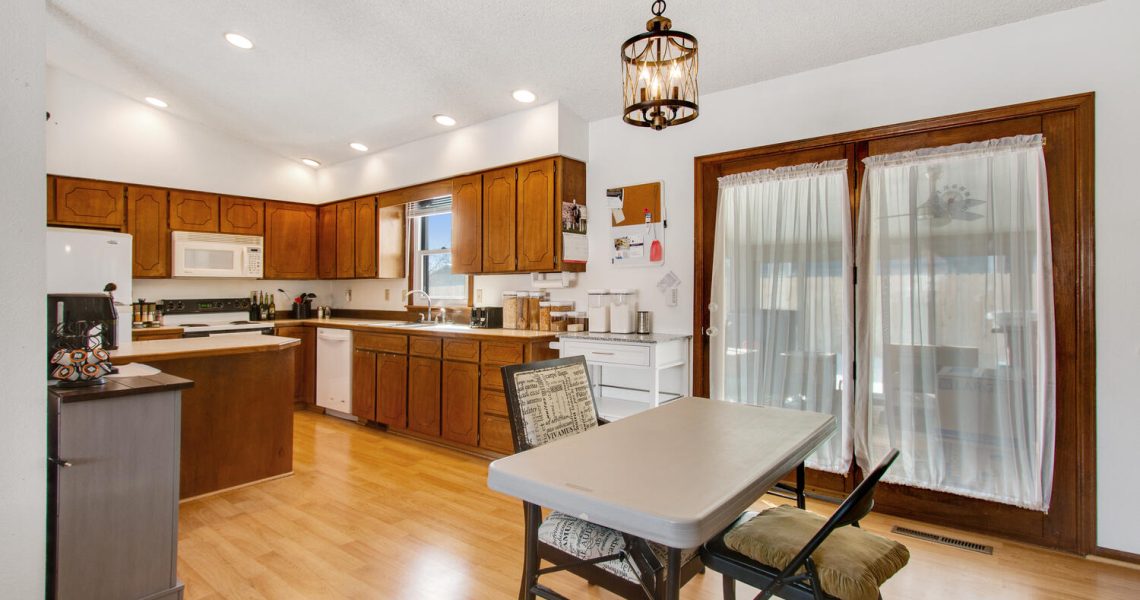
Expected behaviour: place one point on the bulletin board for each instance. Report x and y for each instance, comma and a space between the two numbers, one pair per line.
637, 224
636, 199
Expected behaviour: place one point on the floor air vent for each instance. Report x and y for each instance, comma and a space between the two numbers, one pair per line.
941, 539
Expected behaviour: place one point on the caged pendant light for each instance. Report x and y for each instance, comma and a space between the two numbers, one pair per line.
659, 74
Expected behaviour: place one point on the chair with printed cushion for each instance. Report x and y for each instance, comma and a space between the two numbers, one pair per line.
799, 555
546, 401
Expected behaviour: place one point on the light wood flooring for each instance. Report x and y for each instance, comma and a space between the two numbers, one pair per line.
373, 515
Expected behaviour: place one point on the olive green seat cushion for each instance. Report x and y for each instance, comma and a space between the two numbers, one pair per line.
851, 563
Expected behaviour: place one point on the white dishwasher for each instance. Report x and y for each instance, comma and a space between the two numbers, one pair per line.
334, 371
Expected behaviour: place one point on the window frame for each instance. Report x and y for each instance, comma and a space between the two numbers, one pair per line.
416, 254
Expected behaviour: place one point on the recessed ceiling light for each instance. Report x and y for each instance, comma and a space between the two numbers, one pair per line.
239, 41
312, 163
151, 100
358, 147
525, 96
444, 120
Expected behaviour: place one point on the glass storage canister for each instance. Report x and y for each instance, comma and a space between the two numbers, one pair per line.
544, 315
559, 320
532, 303
510, 310
599, 311
623, 311
576, 321
521, 321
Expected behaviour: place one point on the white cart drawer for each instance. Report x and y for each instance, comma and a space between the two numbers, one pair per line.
607, 353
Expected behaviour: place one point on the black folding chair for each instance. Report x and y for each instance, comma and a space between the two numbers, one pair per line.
799, 579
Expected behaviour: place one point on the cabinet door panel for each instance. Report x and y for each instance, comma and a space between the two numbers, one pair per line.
242, 216
345, 240
146, 222
305, 362
365, 241
467, 224
89, 203
364, 385
326, 253
536, 216
495, 434
391, 226
290, 241
392, 390
193, 211
499, 220
423, 395
461, 402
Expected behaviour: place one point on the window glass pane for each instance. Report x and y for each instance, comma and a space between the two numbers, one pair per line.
436, 232
439, 281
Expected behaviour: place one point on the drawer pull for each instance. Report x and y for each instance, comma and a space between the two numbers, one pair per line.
601, 353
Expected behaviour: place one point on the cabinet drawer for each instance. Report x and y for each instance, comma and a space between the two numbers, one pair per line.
493, 402
495, 434
424, 346
381, 342
615, 354
491, 378
464, 350
504, 353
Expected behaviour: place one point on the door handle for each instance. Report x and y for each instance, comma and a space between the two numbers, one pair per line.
59, 462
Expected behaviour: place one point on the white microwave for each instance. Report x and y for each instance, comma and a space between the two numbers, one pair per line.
216, 255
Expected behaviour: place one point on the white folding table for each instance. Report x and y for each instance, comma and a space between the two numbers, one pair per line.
676, 475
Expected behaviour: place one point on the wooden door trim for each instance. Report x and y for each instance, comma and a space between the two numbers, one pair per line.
708, 167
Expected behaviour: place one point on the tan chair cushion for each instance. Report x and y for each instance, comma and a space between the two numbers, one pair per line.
852, 563
586, 540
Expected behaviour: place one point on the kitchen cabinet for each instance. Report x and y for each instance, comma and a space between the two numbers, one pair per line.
537, 218
147, 224
88, 203
461, 402
392, 390
304, 362
290, 241
424, 395
364, 263
50, 198
467, 224
242, 216
499, 220
193, 211
326, 252
364, 385
345, 240
391, 225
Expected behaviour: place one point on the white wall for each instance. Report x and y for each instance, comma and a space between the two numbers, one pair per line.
23, 428
1094, 48
95, 132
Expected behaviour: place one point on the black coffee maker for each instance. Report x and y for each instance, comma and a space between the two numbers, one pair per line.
79, 315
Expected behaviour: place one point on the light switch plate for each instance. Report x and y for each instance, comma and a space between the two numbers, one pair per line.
387, 294
479, 295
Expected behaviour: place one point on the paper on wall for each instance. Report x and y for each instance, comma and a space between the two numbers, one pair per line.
575, 248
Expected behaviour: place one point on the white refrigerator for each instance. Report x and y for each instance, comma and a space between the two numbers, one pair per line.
81, 261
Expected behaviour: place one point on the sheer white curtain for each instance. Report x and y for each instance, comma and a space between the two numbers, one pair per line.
781, 296
955, 320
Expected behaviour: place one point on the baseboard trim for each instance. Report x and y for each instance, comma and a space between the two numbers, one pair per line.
1120, 557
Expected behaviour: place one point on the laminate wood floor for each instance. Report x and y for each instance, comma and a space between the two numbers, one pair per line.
373, 515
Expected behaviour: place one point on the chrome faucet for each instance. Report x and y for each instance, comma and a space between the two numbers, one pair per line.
425, 295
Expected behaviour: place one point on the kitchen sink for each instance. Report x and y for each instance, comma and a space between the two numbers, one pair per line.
413, 325
442, 326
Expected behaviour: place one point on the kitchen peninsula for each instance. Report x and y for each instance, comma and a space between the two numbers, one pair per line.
237, 420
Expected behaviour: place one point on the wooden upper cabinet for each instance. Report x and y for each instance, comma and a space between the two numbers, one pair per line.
290, 241
326, 254
365, 238
537, 218
87, 203
147, 224
193, 211
461, 402
242, 216
345, 239
51, 198
499, 220
467, 224
392, 227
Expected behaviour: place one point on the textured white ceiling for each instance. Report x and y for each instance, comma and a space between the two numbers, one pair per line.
324, 73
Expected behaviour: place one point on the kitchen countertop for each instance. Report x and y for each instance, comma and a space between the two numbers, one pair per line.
125, 386
200, 347
157, 330
629, 338
386, 326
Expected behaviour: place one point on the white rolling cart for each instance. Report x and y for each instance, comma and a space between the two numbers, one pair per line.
632, 372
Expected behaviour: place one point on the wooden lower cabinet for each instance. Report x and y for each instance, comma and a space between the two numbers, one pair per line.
424, 395
364, 385
495, 433
392, 390
461, 402
304, 363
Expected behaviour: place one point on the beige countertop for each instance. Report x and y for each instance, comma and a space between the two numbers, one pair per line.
389, 326
199, 347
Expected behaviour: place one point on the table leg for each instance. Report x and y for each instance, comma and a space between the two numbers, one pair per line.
673, 575
533, 518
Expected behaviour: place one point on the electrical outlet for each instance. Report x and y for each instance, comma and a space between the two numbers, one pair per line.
673, 297
348, 295
479, 295
387, 294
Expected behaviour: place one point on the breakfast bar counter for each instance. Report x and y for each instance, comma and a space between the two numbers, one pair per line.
198, 347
